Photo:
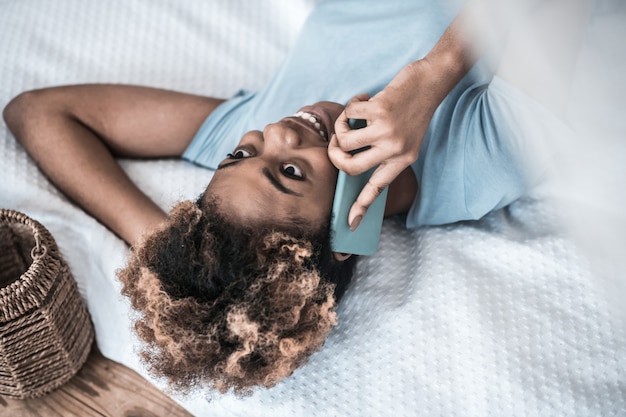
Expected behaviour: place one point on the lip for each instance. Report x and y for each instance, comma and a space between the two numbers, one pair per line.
293, 120
323, 116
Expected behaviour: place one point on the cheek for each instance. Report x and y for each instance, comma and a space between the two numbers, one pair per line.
252, 135
331, 175
327, 192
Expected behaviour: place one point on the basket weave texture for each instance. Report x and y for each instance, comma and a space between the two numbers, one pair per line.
45, 329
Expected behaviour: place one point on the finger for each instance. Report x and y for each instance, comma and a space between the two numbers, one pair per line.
366, 110
381, 178
350, 140
354, 164
360, 97
357, 139
339, 158
341, 124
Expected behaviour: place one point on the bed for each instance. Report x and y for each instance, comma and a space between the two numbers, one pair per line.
511, 315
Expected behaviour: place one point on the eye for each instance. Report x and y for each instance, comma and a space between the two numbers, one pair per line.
292, 171
239, 154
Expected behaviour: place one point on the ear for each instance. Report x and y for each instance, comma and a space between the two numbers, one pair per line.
341, 256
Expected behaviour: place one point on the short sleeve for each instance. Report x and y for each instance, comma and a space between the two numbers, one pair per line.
478, 154
220, 133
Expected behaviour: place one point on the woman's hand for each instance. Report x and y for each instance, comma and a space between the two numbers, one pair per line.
398, 116
397, 119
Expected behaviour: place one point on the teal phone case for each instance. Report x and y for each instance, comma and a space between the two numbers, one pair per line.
364, 240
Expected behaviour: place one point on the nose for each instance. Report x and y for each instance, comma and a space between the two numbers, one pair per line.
280, 134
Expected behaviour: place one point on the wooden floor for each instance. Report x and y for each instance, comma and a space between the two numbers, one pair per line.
101, 388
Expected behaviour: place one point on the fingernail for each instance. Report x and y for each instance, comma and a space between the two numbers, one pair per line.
355, 223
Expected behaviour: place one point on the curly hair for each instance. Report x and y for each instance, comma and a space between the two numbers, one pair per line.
225, 306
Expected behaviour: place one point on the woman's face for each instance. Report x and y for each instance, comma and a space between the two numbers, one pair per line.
282, 172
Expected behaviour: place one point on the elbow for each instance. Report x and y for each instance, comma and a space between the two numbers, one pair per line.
15, 113
23, 112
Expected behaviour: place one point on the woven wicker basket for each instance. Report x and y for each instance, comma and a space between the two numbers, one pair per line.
45, 330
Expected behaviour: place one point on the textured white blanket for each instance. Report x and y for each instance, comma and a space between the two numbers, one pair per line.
501, 317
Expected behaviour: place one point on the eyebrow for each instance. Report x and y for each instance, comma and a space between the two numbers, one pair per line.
280, 187
229, 164
273, 180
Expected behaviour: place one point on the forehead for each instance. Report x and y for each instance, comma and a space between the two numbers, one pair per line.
252, 199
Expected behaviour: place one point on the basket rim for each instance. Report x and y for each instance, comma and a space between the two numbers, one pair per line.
31, 288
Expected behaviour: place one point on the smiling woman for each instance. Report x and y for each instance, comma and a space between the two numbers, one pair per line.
281, 173
243, 280
250, 282
239, 288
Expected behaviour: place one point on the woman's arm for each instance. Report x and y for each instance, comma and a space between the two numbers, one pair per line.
532, 43
399, 115
75, 133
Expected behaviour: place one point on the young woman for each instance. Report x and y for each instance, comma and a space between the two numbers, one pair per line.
238, 288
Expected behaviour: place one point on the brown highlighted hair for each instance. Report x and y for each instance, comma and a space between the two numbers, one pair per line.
225, 306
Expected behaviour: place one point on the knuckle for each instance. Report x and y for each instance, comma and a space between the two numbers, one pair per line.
379, 111
376, 188
369, 195
408, 158
397, 147
364, 202
336, 156
385, 107
339, 163
351, 170
379, 188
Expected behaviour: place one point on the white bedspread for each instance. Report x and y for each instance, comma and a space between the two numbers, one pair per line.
505, 317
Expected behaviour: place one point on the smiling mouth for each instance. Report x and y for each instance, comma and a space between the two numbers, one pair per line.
317, 119
313, 121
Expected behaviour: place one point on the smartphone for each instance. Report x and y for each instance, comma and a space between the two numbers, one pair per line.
364, 240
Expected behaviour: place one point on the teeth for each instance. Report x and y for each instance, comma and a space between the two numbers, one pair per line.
313, 120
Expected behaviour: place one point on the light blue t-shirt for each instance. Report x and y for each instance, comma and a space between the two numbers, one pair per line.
469, 161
